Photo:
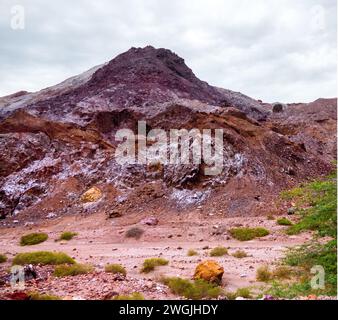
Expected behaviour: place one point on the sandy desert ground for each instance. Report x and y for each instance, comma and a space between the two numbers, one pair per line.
102, 241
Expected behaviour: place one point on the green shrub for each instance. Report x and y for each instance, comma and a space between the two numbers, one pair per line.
244, 292
150, 264
42, 257
284, 222
33, 238
132, 296
289, 290
192, 252
135, 233
320, 199
312, 254
67, 235
263, 274
240, 254
245, 234
230, 295
218, 252
241, 292
39, 296
65, 270
282, 272
115, 268
196, 289
3, 258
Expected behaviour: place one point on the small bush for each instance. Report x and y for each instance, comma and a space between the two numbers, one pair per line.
65, 270
192, 252
39, 296
33, 238
240, 254
67, 235
284, 222
133, 296
115, 268
150, 264
230, 295
245, 234
270, 217
42, 257
263, 274
135, 233
3, 258
282, 272
196, 289
243, 292
218, 252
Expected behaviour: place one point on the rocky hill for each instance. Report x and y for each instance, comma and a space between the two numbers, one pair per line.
57, 143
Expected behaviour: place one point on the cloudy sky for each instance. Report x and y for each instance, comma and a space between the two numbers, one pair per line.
274, 50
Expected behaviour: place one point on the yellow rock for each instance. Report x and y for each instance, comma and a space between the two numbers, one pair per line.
91, 195
210, 271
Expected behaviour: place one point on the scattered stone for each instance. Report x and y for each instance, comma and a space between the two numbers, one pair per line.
119, 277
114, 213
292, 211
290, 171
29, 224
150, 221
218, 230
209, 270
91, 195
277, 107
30, 272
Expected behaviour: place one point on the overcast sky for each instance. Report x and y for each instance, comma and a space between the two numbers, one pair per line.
274, 50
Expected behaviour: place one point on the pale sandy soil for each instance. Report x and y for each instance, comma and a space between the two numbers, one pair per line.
102, 241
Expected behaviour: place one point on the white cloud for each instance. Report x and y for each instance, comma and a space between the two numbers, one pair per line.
276, 50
